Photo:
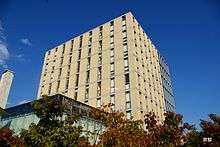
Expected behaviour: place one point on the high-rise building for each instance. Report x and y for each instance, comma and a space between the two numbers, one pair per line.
5, 85
113, 63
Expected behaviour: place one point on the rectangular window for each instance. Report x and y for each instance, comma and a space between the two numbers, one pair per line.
112, 82
123, 28
126, 62
125, 48
80, 42
127, 97
98, 103
77, 80
90, 33
112, 45
87, 77
78, 66
49, 89
99, 89
63, 48
70, 59
127, 78
112, 89
112, 67
123, 23
128, 105
128, 113
87, 93
58, 86
60, 71
112, 98
112, 52
79, 54
112, 33
89, 52
111, 40
112, 59
67, 83
99, 75
90, 41
75, 95
124, 34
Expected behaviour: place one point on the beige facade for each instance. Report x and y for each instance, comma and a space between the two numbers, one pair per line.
113, 63
5, 85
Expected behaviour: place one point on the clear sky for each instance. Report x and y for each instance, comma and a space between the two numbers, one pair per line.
187, 33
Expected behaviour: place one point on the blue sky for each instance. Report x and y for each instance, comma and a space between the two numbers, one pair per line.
186, 32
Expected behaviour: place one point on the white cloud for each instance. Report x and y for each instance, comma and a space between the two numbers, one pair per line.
4, 53
19, 57
26, 41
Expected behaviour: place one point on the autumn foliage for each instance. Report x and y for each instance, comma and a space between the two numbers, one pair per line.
119, 131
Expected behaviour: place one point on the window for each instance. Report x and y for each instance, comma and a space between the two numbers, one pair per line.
49, 89
112, 23
127, 97
89, 60
77, 80
126, 62
89, 52
90, 33
63, 48
75, 95
70, 59
72, 42
80, 42
87, 77
100, 60
79, 54
98, 104
111, 33
112, 52
78, 66
112, 82
123, 28
112, 101
112, 98
111, 40
90, 42
100, 28
127, 78
87, 93
99, 73
58, 86
111, 45
125, 48
124, 35
128, 105
67, 83
61, 61
60, 71
112, 59
112, 85
123, 18
128, 114
112, 68
99, 89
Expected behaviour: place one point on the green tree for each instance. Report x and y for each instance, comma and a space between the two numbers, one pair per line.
55, 128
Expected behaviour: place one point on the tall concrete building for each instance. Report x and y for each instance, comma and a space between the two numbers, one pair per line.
5, 85
113, 63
